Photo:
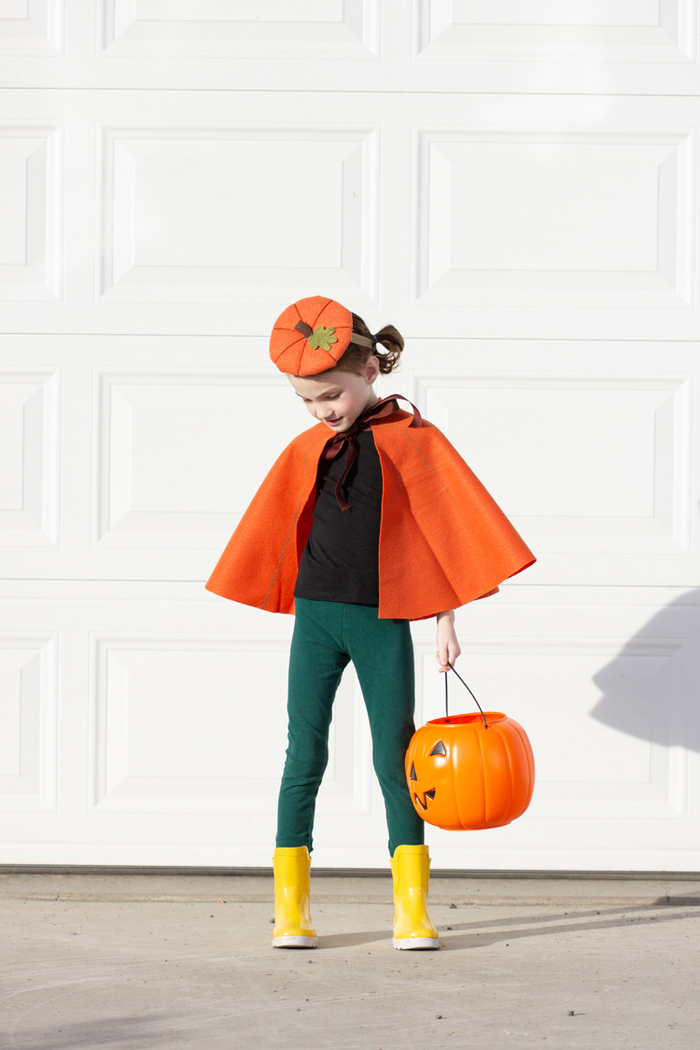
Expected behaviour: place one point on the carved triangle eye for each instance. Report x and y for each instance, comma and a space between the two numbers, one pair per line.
413, 771
439, 749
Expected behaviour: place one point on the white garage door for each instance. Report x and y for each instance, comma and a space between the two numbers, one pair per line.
513, 183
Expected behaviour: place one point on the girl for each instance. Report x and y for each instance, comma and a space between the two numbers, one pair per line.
366, 521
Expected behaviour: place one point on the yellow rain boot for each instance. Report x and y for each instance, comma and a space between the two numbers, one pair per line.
410, 867
293, 926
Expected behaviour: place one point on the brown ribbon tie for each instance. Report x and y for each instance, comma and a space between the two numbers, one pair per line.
346, 438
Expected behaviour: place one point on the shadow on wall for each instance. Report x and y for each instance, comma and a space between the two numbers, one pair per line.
652, 686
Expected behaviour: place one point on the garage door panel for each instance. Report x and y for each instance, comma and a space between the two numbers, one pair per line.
588, 446
29, 457
191, 215
550, 218
166, 485
595, 470
592, 220
32, 27
620, 31
231, 28
193, 724
28, 722
31, 261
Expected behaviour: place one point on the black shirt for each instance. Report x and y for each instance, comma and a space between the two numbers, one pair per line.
340, 562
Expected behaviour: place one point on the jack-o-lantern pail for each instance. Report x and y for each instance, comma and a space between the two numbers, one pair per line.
468, 772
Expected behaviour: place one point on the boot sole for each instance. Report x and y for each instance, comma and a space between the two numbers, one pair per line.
294, 942
415, 943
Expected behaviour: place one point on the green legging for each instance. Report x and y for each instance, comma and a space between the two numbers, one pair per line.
327, 635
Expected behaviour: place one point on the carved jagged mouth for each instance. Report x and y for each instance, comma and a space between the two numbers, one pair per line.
427, 797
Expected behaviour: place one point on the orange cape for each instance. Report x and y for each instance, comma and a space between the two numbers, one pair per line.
443, 540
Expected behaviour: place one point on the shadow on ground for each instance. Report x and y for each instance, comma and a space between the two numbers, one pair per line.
108, 1031
507, 927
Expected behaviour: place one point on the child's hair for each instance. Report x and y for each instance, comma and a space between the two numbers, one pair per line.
355, 357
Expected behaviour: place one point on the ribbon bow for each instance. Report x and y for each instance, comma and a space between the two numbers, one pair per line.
346, 438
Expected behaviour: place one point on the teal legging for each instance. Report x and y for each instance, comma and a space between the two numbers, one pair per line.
327, 635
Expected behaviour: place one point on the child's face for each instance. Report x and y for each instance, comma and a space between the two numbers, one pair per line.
337, 398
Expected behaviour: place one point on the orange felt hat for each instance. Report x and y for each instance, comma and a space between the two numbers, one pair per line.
311, 336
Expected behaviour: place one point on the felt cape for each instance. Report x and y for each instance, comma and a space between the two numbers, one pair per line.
443, 540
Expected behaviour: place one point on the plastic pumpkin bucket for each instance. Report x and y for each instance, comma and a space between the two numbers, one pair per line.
469, 772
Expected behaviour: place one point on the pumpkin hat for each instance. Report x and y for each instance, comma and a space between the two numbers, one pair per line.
311, 336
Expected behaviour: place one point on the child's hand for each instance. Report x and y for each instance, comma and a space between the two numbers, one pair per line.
448, 647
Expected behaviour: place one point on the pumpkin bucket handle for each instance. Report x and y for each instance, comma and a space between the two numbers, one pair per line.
447, 713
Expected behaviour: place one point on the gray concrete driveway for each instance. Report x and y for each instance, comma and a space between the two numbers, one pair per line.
131, 962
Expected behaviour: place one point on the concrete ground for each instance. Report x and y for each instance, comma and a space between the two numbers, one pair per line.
158, 961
